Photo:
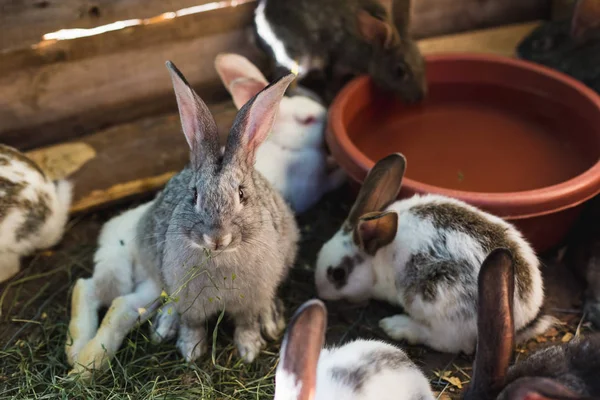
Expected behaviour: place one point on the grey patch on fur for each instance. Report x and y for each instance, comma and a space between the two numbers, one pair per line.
575, 364
447, 216
372, 364
339, 274
9, 195
12, 153
37, 213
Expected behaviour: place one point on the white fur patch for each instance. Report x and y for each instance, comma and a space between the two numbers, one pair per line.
287, 385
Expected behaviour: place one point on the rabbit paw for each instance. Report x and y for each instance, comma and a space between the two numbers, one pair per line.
191, 343
165, 326
401, 327
249, 343
272, 321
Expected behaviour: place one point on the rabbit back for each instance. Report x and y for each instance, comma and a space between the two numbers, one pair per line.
33, 209
369, 369
575, 365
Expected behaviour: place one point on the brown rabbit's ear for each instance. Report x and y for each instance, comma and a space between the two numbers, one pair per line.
380, 188
586, 19
197, 122
296, 375
535, 388
254, 122
375, 31
375, 230
495, 325
241, 78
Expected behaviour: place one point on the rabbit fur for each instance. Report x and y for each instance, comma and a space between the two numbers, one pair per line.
423, 254
120, 281
220, 237
33, 209
565, 371
358, 370
293, 158
340, 38
571, 46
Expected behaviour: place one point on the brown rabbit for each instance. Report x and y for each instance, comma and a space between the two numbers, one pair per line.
341, 37
567, 371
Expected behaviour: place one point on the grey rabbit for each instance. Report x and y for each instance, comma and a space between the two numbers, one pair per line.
341, 38
571, 46
221, 238
566, 371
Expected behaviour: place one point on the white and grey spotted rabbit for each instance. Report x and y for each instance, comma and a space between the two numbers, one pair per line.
358, 370
33, 209
120, 281
293, 157
219, 235
424, 254
568, 371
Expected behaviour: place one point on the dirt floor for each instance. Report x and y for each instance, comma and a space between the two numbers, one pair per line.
35, 311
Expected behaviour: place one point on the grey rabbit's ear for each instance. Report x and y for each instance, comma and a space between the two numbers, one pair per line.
380, 188
536, 388
586, 19
495, 325
375, 230
296, 374
375, 31
254, 122
197, 122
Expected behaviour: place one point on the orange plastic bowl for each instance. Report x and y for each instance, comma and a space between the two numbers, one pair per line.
511, 137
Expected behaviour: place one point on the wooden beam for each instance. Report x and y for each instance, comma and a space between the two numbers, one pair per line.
440, 17
501, 41
25, 22
138, 158
116, 77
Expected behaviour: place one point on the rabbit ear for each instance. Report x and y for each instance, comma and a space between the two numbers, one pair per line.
375, 230
197, 122
380, 188
296, 375
535, 388
243, 89
241, 78
586, 18
254, 122
495, 325
375, 31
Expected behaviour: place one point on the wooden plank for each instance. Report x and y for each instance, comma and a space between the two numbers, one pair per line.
138, 158
500, 41
24, 22
124, 161
440, 17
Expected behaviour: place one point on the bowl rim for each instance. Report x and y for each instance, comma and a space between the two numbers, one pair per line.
527, 203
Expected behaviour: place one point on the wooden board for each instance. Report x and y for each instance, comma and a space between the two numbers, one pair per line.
440, 17
137, 158
25, 22
501, 41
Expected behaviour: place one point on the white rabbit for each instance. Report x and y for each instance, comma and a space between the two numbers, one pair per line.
33, 209
293, 158
119, 281
359, 370
424, 254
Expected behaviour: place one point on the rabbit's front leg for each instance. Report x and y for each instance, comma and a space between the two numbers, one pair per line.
84, 318
272, 320
247, 336
191, 341
165, 324
123, 314
402, 327
10, 263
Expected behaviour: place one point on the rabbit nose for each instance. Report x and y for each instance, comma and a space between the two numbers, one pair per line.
218, 242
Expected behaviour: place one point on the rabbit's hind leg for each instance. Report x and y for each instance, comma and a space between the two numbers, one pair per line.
10, 263
123, 314
84, 318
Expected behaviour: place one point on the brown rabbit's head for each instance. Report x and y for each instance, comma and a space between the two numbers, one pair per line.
396, 62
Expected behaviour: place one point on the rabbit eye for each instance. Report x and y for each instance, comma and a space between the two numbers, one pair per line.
543, 44
306, 120
400, 71
241, 193
195, 196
